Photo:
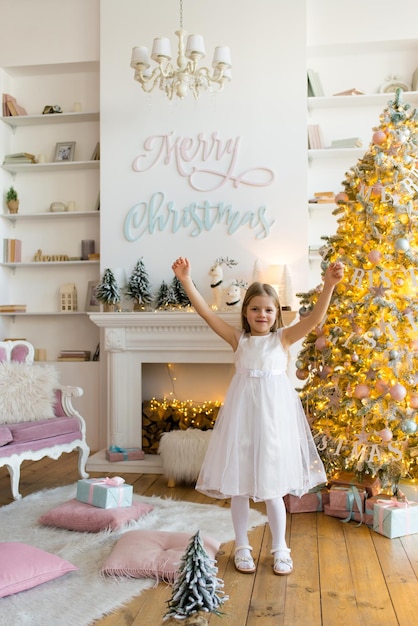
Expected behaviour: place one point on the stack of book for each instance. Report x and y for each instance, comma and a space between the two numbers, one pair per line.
74, 355
323, 197
12, 308
314, 137
12, 250
11, 107
19, 157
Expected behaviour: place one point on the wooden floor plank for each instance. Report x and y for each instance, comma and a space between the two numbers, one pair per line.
339, 604
373, 598
343, 574
303, 601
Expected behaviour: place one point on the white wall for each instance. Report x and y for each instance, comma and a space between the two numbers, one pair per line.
264, 106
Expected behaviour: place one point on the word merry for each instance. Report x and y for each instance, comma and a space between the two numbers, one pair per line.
188, 154
155, 215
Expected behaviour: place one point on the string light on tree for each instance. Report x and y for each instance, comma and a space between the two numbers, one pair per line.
361, 390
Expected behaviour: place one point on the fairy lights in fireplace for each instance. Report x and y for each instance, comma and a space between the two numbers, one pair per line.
187, 413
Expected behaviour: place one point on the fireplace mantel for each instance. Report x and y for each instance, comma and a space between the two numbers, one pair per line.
127, 341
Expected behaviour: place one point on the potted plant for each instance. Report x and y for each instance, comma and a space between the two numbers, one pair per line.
12, 200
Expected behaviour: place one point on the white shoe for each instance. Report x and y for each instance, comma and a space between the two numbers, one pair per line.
244, 564
283, 564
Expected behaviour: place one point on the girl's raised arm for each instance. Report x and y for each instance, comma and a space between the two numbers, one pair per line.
333, 276
182, 270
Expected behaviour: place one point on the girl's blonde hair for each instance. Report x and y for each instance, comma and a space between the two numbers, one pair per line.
261, 289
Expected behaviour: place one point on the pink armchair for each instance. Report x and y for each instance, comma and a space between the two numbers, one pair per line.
49, 424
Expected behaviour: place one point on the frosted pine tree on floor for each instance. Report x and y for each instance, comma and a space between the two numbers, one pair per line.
197, 588
361, 365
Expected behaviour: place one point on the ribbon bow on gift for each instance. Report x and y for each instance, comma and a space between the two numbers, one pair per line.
400, 504
116, 481
117, 449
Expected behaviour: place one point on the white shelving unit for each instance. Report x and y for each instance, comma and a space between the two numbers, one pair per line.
365, 66
37, 284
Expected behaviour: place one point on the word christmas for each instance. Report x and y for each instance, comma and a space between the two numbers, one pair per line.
161, 215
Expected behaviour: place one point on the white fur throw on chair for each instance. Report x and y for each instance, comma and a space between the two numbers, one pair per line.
182, 453
26, 392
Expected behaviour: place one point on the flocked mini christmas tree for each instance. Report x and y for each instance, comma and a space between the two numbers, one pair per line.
107, 290
139, 287
361, 364
166, 298
197, 588
181, 296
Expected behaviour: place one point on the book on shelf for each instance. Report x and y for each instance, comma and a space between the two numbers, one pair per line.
20, 157
350, 92
12, 308
96, 153
314, 84
10, 106
323, 197
12, 250
314, 137
349, 142
74, 355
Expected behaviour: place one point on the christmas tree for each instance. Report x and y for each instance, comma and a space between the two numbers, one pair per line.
181, 296
166, 298
107, 290
197, 587
361, 364
139, 288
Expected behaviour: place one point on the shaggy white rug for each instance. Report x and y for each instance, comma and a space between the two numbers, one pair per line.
78, 600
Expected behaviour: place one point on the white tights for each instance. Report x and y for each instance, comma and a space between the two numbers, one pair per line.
276, 515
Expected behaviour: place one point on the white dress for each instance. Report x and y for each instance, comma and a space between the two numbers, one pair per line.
261, 445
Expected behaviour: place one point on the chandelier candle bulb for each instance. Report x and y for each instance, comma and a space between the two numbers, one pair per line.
195, 48
140, 56
161, 49
222, 56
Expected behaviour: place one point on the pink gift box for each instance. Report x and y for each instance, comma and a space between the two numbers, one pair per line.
371, 484
309, 502
348, 499
356, 516
124, 454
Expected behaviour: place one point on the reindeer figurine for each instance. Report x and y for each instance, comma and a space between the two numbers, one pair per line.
233, 294
217, 277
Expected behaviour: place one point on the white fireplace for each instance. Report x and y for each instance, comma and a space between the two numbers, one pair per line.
129, 340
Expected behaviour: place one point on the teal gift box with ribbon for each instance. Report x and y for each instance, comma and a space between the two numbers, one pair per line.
116, 453
395, 518
105, 493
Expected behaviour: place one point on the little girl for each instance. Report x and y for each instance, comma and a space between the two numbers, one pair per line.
261, 446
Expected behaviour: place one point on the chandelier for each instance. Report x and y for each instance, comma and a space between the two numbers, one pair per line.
186, 76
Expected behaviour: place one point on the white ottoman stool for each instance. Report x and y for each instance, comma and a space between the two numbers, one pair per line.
182, 453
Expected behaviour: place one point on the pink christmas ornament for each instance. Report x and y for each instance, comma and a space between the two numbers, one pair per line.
413, 401
361, 391
379, 137
341, 197
321, 343
374, 256
397, 392
302, 374
386, 435
376, 190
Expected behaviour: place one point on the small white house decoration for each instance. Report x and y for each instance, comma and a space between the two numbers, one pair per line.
68, 298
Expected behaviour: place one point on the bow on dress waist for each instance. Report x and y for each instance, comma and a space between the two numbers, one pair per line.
259, 373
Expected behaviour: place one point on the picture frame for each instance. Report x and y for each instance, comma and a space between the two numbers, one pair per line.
92, 303
64, 151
